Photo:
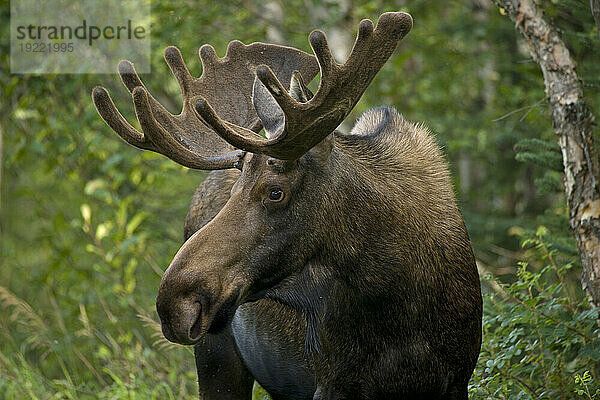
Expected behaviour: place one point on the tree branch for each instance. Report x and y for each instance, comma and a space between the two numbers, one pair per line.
572, 121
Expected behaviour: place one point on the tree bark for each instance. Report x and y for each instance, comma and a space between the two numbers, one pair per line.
572, 121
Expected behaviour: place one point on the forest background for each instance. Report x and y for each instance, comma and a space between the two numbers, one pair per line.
88, 223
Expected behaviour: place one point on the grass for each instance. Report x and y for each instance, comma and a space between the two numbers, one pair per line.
40, 359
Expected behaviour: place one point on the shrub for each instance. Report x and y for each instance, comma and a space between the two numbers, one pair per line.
540, 336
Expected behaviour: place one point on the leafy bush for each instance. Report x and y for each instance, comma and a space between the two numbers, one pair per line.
87, 224
540, 337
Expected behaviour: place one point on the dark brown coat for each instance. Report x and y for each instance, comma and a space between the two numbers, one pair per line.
389, 288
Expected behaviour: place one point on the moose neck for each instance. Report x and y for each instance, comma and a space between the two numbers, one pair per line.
392, 202
389, 224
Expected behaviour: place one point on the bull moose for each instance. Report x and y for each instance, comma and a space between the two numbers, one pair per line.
322, 264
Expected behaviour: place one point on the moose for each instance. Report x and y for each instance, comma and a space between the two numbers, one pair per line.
322, 264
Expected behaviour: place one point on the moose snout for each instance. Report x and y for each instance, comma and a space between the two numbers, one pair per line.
180, 317
202, 287
181, 324
179, 307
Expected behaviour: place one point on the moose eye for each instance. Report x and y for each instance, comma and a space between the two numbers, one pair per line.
276, 195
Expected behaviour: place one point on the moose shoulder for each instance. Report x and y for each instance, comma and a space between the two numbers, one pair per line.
333, 266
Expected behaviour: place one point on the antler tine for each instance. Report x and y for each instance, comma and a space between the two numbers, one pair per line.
129, 76
327, 64
228, 83
235, 135
279, 93
170, 147
391, 28
306, 124
132, 81
155, 137
175, 61
208, 56
113, 118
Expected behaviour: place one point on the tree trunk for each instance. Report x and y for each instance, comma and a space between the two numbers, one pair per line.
572, 122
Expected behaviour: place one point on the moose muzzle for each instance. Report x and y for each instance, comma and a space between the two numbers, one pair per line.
179, 307
205, 282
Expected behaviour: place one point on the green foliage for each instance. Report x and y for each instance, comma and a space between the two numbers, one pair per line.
539, 152
539, 333
583, 383
88, 224
258, 393
546, 155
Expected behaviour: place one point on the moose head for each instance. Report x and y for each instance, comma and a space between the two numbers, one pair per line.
291, 189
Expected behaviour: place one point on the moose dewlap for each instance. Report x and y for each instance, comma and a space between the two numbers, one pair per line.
324, 265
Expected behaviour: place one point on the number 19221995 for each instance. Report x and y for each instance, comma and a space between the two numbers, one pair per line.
46, 47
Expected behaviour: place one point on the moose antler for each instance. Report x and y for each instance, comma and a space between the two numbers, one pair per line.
227, 83
306, 124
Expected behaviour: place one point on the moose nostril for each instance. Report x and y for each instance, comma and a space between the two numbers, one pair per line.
195, 329
168, 333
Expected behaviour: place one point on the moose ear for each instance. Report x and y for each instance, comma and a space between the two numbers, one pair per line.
298, 89
268, 110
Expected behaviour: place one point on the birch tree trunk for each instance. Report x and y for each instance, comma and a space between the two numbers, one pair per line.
572, 121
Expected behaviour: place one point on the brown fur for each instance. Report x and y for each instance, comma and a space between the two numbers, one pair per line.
380, 266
